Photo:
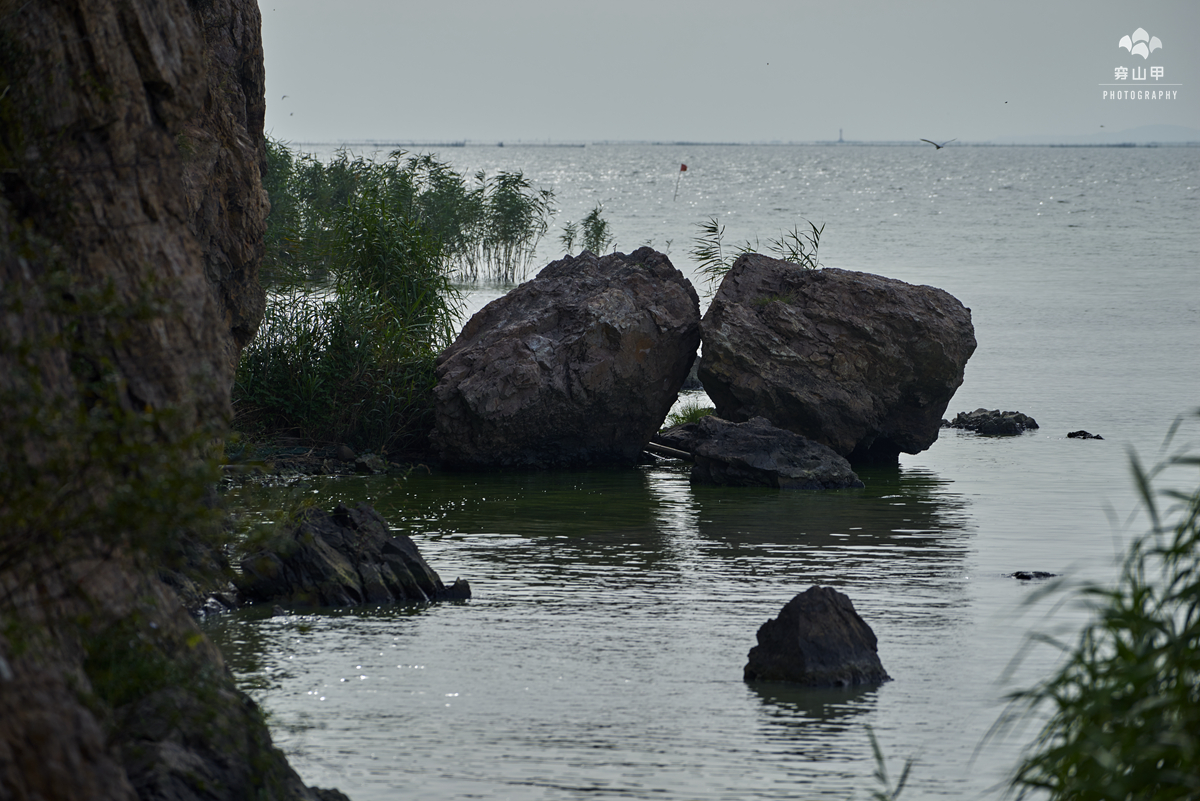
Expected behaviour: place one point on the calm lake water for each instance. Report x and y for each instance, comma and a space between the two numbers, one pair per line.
602, 653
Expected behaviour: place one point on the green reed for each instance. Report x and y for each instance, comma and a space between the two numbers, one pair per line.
592, 233
359, 261
360, 255
487, 228
689, 412
714, 259
515, 218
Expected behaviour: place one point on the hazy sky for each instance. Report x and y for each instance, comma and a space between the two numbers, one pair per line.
709, 70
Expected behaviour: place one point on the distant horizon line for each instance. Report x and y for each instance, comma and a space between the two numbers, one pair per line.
687, 143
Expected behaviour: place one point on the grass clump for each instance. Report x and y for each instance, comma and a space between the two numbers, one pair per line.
714, 260
1124, 707
689, 412
515, 217
592, 233
360, 259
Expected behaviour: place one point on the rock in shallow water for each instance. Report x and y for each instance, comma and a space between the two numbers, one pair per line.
818, 640
757, 454
992, 422
576, 367
344, 558
858, 362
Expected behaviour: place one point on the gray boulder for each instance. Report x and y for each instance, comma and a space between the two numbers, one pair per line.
858, 362
757, 454
818, 640
344, 558
578, 366
992, 422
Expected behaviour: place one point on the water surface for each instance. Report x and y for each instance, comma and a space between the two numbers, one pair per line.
601, 655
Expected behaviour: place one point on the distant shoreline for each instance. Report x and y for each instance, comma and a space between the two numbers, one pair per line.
385, 145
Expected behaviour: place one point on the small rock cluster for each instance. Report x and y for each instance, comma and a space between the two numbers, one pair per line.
580, 365
992, 423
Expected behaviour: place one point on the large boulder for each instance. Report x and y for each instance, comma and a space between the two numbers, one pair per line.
343, 558
858, 362
757, 454
578, 366
818, 640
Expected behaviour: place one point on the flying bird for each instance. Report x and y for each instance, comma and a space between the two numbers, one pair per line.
935, 144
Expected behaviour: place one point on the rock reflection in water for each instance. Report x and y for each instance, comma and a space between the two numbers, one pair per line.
605, 642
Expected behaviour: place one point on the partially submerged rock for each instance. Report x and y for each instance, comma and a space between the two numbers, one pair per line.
818, 640
576, 367
344, 558
1081, 434
992, 422
757, 454
858, 362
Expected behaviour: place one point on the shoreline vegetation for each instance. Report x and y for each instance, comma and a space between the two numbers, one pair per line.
360, 260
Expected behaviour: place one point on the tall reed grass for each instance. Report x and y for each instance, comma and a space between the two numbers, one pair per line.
360, 257
714, 259
592, 233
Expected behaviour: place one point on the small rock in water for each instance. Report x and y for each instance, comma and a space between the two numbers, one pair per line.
818, 640
992, 423
1029, 575
346, 557
213, 606
1081, 434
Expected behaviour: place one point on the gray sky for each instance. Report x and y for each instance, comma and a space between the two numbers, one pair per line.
717, 70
